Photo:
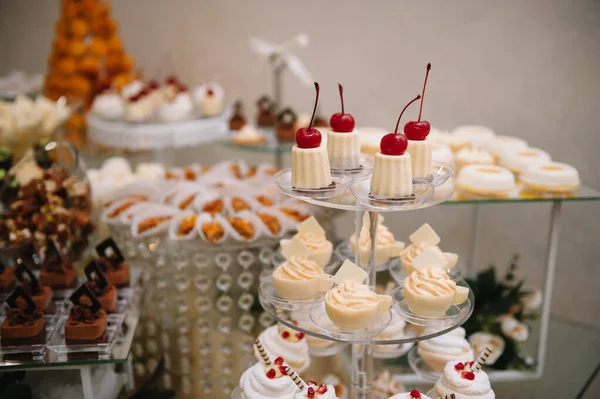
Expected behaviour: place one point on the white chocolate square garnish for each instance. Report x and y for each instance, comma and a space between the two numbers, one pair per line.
349, 271
294, 247
425, 234
310, 226
429, 258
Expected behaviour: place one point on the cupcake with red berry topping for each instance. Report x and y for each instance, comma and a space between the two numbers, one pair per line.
419, 148
209, 99
465, 380
310, 162
178, 107
343, 145
392, 170
414, 394
280, 341
312, 390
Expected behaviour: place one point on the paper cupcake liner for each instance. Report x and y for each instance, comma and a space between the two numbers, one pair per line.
285, 223
148, 190
207, 217
206, 198
112, 214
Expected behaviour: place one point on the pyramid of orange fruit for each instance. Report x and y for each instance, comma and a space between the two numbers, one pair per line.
87, 54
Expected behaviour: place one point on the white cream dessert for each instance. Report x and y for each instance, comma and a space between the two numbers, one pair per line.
500, 144
209, 98
386, 246
419, 147
132, 89
438, 351
464, 382
261, 381
553, 177
248, 135
414, 394
310, 162
473, 156
392, 170
178, 108
343, 145
442, 153
108, 105
302, 318
284, 342
431, 292
395, 330
299, 278
424, 247
352, 305
486, 180
518, 160
314, 391
477, 136
313, 237
137, 109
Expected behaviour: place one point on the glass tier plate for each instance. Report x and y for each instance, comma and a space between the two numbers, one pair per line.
395, 351
340, 183
269, 294
398, 274
455, 315
365, 169
270, 144
102, 350
422, 369
343, 251
422, 191
36, 351
333, 349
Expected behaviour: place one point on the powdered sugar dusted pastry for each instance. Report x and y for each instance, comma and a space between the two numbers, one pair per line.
464, 382
438, 351
473, 156
386, 246
552, 177
477, 136
431, 292
280, 341
486, 180
518, 160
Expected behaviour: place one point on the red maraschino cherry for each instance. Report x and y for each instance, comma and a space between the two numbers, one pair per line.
415, 394
309, 137
396, 143
418, 130
342, 122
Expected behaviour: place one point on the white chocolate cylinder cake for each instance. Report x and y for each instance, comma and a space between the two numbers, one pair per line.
310, 168
392, 176
421, 156
343, 149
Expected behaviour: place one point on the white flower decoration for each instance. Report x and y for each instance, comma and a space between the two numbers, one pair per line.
480, 340
514, 329
532, 300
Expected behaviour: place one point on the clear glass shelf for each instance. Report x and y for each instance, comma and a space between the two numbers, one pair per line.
418, 365
455, 315
583, 193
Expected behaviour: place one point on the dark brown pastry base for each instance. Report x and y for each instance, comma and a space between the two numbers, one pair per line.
286, 133
39, 339
9, 288
82, 332
108, 299
101, 340
118, 277
59, 281
7, 280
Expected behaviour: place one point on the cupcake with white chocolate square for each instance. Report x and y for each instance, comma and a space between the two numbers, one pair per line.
313, 236
424, 247
386, 246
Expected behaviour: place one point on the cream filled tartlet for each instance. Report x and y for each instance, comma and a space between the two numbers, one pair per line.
310, 162
425, 239
431, 292
438, 351
313, 236
343, 145
386, 246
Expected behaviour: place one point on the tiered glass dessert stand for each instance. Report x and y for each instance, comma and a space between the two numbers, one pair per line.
352, 194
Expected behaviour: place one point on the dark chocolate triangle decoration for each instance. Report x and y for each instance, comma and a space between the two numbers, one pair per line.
109, 250
25, 275
82, 291
94, 273
19, 292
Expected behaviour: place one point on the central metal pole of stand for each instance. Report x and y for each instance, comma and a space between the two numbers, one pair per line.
362, 354
472, 268
278, 68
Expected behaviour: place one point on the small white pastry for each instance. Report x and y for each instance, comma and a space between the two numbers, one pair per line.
518, 160
310, 168
452, 346
477, 136
108, 105
137, 110
551, 177
179, 108
266, 382
115, 167
486, 180
343, 149
473, 156
209, 99
132, 89
150, 171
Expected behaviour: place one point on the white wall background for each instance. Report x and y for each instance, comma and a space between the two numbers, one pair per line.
525, 68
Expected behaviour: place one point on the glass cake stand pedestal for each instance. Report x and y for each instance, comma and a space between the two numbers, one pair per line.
352, 192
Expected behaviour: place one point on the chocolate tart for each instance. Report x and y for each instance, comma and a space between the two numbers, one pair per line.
266, 112
87, 320
286, 120
7, 278
25, 324
40, 294
237, 121
105, 292
57, 272
112, 263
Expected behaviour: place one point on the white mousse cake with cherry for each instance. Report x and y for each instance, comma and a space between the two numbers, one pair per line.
343, 144
392, 170
310, 162
419, 148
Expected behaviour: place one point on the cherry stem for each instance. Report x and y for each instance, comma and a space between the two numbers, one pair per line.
315, 108
404, 109
423, 94
341, 96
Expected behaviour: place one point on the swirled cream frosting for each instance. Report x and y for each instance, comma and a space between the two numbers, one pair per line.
429, 282
352, 295
298, 268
